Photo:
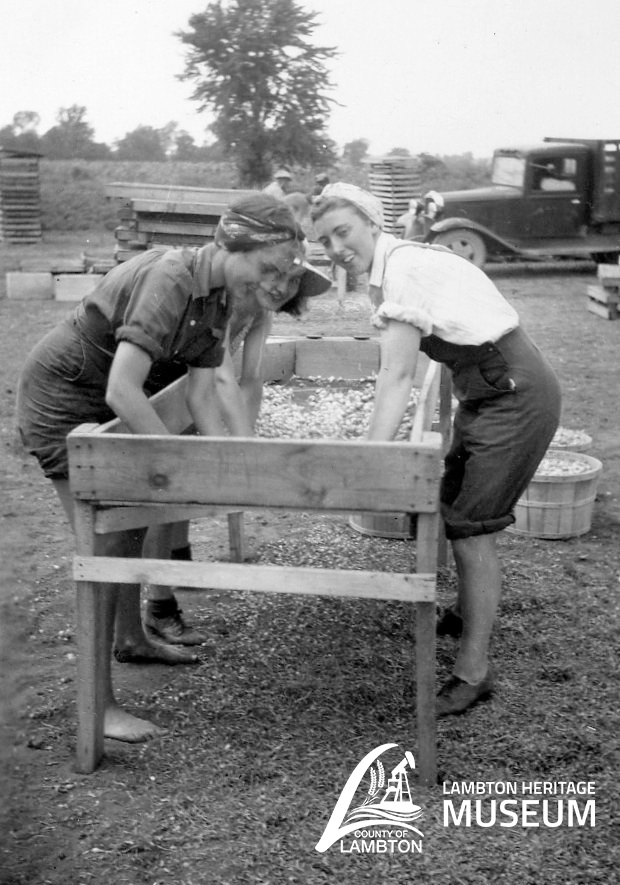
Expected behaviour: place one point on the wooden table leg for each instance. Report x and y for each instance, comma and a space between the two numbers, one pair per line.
425, 691
426, 561
92, 650
236, 536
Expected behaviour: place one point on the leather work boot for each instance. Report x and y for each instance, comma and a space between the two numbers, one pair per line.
163, 620
456, 696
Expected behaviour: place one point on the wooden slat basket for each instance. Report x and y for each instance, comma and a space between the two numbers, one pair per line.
556, 507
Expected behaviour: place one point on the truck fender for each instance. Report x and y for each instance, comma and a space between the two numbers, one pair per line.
493, 242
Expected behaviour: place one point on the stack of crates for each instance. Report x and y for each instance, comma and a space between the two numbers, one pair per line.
604, 298
395, 180
20, 197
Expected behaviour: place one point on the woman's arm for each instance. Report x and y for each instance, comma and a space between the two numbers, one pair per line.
243, 398
400, 345
125, 394
251, 381
208, 402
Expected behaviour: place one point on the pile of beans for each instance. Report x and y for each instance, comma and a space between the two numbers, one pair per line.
323, 413
567, 439
556, 464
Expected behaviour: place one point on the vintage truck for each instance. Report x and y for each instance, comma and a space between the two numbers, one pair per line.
556, 199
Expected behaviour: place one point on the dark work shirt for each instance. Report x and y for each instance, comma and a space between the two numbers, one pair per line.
162, 302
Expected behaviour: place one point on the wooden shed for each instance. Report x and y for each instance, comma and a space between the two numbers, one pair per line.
20, 196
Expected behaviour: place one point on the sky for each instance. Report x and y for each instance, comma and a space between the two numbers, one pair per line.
437, 76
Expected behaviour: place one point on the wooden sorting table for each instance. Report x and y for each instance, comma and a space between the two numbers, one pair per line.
121, 480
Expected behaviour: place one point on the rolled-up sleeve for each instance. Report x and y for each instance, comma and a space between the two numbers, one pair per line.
404, 297
155, 309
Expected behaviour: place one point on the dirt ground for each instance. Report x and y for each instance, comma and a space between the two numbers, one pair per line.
292, 692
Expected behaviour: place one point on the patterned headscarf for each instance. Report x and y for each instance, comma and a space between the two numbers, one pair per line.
245, 231
368, 205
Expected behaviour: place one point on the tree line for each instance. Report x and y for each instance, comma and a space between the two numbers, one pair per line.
72, 138
255, 68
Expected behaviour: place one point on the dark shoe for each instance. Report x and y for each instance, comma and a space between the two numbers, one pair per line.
169, 626
449, 624
456, 695
158, 653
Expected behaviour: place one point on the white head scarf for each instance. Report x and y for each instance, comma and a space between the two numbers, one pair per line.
368, 205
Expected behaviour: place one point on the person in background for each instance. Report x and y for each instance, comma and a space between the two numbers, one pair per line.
299, 204
320, 181
281, 185
149, 320
427, 298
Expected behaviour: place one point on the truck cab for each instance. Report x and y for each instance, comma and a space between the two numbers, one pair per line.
558, 198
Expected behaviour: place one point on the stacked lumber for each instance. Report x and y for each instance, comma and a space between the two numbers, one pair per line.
151, 214
395, 181
604, 298
20, 197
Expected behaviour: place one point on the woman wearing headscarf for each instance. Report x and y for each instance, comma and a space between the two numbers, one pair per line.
149, 320
249, 326
427, 298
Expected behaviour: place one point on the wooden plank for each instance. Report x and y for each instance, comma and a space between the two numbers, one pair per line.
427, 533
278, 359
262, 578
180, 228
427, 404
236, 536
603, 295
93, 650
170, 406
180, 207
127, 190
608, 312
336, 357
116, 519
609, 274
234, 472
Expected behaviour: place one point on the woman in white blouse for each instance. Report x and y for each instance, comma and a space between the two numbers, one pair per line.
428, 298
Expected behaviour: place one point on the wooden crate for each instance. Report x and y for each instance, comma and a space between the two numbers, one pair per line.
169, 215
20, 210
395, 181
604, 298
120, 480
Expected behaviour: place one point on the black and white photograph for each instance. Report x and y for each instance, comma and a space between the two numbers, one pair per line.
309, 413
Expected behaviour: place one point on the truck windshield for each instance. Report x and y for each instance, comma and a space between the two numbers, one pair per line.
509, 171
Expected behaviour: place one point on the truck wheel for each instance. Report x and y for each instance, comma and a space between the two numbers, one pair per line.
466, 243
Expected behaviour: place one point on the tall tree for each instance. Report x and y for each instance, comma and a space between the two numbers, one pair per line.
255, 68
355, 151
22, 134
72, 137
144, 143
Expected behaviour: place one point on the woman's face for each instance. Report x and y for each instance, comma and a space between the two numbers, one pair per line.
348, 238
270, 275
